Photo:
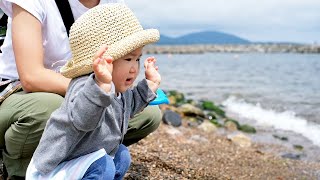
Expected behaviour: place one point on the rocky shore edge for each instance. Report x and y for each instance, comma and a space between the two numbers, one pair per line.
232, 48
188, 145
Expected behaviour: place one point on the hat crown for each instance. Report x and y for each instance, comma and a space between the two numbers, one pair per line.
103, 24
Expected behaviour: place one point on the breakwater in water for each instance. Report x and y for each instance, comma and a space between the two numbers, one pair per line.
236, 48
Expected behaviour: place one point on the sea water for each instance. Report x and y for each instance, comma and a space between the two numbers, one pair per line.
277, 91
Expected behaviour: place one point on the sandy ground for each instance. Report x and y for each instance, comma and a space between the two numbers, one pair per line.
189, 153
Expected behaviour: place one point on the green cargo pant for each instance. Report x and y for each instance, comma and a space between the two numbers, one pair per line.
23, 117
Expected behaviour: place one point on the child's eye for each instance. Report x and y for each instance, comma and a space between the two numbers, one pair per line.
138, 59
128, 59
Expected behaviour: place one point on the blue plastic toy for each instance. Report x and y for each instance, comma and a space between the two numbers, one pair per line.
161, 98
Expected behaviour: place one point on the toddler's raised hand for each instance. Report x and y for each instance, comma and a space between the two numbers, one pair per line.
102, 68
151, 72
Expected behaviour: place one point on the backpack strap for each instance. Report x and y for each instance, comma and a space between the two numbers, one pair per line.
66, 13
3, 28
3, 20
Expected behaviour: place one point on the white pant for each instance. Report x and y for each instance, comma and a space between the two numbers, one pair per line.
68, 170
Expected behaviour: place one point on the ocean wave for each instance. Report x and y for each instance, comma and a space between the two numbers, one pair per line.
286, 120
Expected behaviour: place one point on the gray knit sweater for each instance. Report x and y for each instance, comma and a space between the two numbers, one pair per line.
89, 119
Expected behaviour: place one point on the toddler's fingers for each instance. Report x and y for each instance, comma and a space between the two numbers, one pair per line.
145, 64
151, 59
148, 61
100, 52
96, 61
95, 65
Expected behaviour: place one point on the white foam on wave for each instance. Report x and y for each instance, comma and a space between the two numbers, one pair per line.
286, 120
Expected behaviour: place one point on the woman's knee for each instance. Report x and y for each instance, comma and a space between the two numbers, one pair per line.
152, 117
22, 136
142, 124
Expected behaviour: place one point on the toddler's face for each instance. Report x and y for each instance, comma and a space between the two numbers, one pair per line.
126, 70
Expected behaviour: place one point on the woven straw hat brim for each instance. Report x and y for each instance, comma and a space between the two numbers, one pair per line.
117, 50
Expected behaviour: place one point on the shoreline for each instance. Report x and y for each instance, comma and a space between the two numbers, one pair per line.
292, 145
289, 143
232, 48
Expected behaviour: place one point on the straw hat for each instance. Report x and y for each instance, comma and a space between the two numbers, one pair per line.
111, 24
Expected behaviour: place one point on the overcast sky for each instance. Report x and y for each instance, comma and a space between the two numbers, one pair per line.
255, 20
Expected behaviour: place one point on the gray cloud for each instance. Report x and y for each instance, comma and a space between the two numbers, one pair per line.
267, 20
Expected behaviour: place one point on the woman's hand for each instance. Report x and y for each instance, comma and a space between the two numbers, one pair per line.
152, 74
102, 68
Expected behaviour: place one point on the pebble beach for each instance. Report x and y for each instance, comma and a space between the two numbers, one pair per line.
190, 153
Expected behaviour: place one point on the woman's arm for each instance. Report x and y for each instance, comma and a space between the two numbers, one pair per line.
29, 55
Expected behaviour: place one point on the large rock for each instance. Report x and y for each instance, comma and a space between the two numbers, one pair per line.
190, 110
230, 126
240, 140
207, 126
171, 118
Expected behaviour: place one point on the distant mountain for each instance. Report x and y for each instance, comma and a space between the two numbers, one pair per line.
206, 37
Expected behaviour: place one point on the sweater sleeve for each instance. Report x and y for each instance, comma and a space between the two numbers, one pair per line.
87, 103
142, 95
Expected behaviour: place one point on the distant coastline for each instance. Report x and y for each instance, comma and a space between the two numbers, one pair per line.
215, 42
232, 48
